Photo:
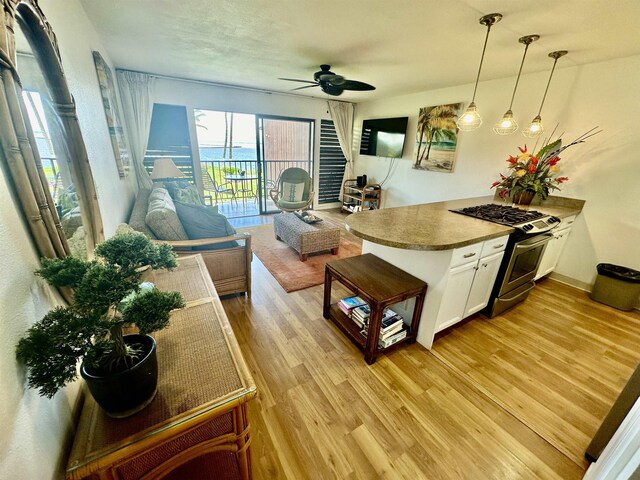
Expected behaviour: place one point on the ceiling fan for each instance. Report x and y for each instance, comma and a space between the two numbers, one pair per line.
330, 83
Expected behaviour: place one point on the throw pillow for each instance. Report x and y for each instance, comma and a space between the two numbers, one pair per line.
201, 221
187, 195
292, 192
162, 218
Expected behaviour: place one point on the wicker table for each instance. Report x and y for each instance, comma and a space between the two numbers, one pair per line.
197, 424
306, 238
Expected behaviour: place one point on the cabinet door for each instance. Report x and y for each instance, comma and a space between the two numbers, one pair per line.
483, 283
552, 253
455, 296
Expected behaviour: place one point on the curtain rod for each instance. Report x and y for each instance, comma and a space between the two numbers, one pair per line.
224, 85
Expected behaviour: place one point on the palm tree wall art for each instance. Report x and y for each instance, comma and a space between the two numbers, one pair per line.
437, 137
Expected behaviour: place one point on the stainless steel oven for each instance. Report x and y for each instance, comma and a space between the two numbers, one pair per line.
519, 265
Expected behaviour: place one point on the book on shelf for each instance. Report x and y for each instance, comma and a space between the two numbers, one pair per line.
363, 311
387, 342
349, 303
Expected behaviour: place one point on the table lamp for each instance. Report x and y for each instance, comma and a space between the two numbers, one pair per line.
165, 169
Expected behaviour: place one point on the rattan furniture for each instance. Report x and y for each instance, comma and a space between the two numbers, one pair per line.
197, 425
306, 238
381, 285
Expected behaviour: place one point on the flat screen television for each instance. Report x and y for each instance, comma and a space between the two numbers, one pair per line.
383, 137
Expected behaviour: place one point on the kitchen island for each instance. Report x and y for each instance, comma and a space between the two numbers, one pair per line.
458, 256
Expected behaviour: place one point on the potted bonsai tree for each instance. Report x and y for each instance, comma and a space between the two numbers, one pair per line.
120, 370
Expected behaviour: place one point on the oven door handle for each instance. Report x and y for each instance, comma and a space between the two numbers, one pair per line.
534, 245
505, 299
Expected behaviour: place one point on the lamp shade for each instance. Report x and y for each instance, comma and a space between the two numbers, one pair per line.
164, 168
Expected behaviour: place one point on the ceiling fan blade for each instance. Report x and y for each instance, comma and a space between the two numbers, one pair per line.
297, 80
306, 86
355, 85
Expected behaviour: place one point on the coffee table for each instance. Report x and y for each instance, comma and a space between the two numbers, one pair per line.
306, 238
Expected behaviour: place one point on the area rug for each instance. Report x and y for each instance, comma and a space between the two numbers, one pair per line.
284, 263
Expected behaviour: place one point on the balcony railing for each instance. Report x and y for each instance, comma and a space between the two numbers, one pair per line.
243, 177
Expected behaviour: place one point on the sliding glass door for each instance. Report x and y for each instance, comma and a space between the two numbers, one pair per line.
242, 155
283, 143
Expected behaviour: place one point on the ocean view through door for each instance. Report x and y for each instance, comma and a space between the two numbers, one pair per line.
242, 155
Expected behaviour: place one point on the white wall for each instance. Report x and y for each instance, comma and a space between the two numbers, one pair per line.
604, 171
35, 430
217, 98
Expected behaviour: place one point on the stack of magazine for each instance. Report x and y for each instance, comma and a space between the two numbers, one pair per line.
348, 304
392, 328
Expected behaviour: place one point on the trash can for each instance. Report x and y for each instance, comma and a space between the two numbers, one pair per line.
616, 286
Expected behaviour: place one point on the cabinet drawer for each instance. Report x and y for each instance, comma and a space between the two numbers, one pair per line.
494, 245
470, 253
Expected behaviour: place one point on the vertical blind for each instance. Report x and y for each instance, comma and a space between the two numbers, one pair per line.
332, 163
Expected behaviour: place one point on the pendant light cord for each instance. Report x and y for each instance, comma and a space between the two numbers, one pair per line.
526, 47
486, 38
548, 83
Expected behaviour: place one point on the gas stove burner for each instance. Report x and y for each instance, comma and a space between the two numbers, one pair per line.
502, 214
528, 221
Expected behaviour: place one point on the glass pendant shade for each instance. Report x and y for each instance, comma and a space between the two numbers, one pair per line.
506, 125
534, 129
470, 119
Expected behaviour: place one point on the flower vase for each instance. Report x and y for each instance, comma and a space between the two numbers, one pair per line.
523, 198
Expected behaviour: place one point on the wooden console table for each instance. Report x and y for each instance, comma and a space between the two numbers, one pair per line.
197, 425
380, 284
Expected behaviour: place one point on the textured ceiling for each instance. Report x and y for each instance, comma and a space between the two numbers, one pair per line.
400, 46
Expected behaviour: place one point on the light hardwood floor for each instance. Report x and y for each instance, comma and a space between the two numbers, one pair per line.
517, 396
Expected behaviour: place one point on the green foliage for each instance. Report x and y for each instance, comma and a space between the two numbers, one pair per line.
67, 272
91, 328
149, 311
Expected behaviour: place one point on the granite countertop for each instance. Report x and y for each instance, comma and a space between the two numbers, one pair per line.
432, 226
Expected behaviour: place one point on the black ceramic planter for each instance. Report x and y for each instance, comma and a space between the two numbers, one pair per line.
125, 393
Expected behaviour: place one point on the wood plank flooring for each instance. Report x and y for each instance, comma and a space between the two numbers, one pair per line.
518, 396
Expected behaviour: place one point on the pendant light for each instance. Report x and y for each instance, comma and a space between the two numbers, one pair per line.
507, 125
535, 128
470, 119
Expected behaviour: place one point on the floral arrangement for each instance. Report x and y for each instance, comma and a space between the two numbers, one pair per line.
536, 175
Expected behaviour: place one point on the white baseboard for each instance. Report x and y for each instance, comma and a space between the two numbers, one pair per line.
570, 281
558, 277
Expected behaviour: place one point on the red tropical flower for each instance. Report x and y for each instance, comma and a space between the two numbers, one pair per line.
512, 160
531, 168
553, 160
534, 160
495, 184
562, 179
523, 149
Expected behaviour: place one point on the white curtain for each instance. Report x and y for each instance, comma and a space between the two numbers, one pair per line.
136, 90
342, 116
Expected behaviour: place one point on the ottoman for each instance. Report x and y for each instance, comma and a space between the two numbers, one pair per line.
306, 238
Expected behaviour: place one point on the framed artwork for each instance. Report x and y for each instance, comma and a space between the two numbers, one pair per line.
110, 104
437, 137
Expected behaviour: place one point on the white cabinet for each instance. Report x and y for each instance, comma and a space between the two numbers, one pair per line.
552, 252
455, 296
486, 273
555, 247
469, 285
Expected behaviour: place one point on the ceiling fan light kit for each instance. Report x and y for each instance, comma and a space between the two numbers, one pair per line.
536, 127
470, 119
330, 83
507, 124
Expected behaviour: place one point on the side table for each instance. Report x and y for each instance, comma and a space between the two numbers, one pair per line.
380, 284
197, 425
